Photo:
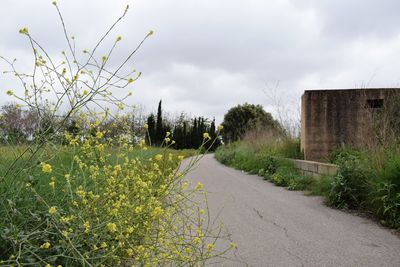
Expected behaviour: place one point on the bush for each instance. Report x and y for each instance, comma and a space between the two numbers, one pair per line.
321, 186
386, 200
350, 185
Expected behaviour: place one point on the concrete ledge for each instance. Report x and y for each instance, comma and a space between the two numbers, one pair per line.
313, 168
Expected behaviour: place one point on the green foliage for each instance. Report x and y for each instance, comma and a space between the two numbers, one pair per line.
185, 133
300, 182
160, 132
350, 185
109, 210
242, 118
321, 186
266, 164
368, 181
290, 148
386, 200
151, 124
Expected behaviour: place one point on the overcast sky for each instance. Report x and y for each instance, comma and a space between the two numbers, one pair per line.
207, 56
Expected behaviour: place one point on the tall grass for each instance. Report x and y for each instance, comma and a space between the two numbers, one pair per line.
266, 155
370, 182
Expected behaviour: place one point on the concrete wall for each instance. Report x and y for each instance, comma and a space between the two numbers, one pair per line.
335, 118
313, 168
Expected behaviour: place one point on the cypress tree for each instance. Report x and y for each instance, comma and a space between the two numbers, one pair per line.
159, 126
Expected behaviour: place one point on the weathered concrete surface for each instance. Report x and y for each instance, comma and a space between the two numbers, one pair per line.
313, 168
276, 227
335, 118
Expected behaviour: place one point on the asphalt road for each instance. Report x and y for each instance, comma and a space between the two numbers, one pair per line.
276, 227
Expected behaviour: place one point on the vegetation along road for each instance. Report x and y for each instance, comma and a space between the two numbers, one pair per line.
276, 227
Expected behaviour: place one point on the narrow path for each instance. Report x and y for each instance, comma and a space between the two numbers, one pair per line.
276, 227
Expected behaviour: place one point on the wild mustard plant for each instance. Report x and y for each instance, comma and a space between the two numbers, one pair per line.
90, 199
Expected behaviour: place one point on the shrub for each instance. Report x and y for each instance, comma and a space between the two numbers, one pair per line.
350, 185
290, 148
321, 186
386, 200
299, 182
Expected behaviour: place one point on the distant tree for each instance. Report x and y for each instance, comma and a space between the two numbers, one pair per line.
242, 118
12, 124
215, 140
195, 142
17, 125
72, 127
151, 122
159, 126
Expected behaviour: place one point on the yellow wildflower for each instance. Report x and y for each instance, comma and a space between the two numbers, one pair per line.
138, 209
52, 184
158, 211
86, 225
52, 210
23, 31
46, 168
199, 186
99, 135
206, 136
210, 247
158, 157
65, 233
129, 251
129, 230
112, 227
146, 126
45, 245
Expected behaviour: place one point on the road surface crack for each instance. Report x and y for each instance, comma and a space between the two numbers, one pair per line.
272, 222
284, 229
295, 256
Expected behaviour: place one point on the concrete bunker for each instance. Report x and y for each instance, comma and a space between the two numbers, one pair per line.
331, 119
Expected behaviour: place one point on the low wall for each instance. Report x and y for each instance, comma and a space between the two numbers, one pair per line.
314, 169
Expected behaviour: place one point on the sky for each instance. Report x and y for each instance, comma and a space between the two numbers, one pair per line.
208, 56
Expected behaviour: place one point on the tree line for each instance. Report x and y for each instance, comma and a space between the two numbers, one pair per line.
186, 132
19, 126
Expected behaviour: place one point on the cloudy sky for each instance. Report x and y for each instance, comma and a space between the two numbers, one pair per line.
207, 56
